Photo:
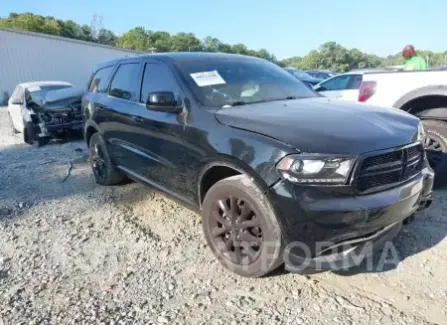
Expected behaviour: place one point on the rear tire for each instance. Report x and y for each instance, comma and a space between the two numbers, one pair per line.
104, 171
241, 227
436, 148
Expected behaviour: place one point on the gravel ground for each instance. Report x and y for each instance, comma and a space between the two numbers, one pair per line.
72, 252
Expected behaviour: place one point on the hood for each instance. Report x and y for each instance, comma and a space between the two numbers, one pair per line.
52, 101
322, 125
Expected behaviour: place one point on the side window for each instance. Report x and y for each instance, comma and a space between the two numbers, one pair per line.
125, 82
337, 83
98, 84
355, 82
157, 77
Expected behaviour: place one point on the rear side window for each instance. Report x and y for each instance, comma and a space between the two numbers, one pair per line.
98, 84
356, 81
157, 77
337, 83
125, 82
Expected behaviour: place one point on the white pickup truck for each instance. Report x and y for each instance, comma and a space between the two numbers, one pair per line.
421, 93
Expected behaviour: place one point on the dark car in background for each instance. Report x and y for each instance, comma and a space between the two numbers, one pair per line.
320, 74
271, 166
302, 76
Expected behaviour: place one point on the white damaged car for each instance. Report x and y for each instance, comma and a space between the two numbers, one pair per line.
42, 110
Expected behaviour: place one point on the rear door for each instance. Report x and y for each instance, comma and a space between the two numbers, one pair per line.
334, 87
342, 87
117, 111
93, 103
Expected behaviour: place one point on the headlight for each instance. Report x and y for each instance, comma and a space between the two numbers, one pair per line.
421, 132
316, 169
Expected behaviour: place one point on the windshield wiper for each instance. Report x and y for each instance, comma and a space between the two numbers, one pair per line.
238, 103
241, 102
286, 98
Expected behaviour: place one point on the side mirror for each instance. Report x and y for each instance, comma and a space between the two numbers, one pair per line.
16, 101
163, 101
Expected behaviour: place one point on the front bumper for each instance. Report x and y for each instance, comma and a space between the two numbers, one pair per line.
329, 228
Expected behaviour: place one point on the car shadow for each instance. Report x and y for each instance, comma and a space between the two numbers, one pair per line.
65, 137
428, 229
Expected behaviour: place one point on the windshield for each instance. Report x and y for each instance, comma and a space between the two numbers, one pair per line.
40, 91
240, 81
37, 94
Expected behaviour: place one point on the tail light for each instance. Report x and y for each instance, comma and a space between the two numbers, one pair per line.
367, 89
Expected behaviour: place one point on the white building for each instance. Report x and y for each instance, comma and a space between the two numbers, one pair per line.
27, 56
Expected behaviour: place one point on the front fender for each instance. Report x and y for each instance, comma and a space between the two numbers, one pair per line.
228, 161
89, 124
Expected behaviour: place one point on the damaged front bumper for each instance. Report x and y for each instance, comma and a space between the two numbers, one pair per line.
339, 230
59, 111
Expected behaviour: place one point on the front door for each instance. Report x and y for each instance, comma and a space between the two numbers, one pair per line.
161, 135
148, 145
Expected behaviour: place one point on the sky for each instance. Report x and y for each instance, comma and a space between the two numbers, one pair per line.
284, 27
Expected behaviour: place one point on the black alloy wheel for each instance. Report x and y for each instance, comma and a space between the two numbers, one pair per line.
237, 229
98, 162
241, 227
104, 171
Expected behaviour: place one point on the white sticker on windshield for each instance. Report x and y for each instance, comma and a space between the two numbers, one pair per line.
33, 89
207, 78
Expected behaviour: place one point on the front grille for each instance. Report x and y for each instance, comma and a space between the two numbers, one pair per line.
390, 168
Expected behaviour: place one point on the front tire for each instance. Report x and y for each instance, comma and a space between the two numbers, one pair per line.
241, 227
28, 133
104, 171
436, 149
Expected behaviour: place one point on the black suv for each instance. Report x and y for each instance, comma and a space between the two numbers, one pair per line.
277, 173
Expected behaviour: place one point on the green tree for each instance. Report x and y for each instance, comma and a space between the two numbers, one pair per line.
107, 37
87, 33
330, 55
184, 42
239, 48
161, 41
211, 44
134, 39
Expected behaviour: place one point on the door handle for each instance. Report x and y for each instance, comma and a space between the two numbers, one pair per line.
137, 118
